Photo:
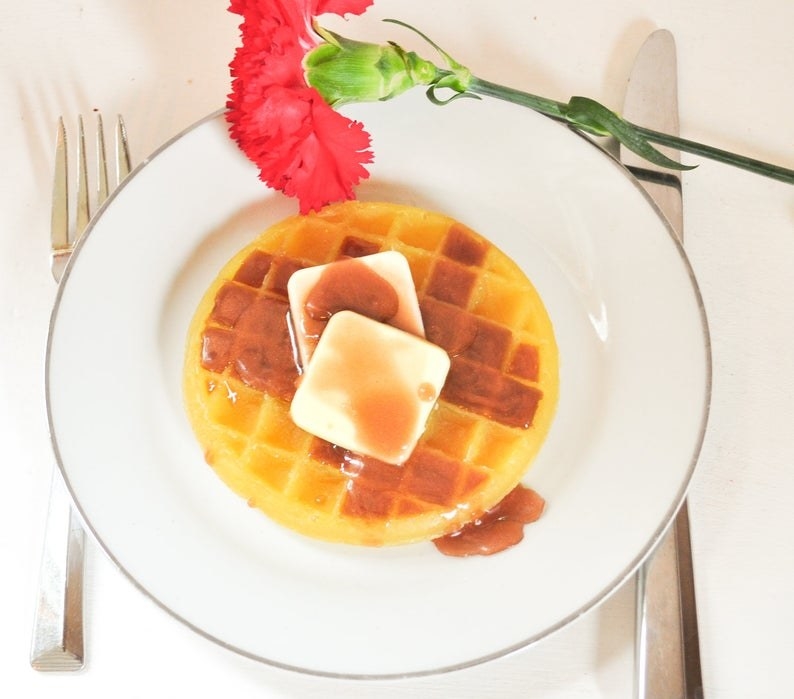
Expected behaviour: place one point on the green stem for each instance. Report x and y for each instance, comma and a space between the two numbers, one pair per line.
551, 108
559, 111
758, 167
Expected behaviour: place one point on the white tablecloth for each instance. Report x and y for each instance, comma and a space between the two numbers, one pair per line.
163, 65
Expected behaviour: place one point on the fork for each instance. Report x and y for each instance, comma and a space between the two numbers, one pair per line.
57, 642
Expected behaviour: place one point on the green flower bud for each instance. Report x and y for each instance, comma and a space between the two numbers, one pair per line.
345, 71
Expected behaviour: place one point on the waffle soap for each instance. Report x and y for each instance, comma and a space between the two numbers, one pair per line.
370, 387
379, 286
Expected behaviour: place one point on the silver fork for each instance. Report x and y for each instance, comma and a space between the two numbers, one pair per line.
57, 642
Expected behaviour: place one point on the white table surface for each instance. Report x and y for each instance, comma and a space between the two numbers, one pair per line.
163, 65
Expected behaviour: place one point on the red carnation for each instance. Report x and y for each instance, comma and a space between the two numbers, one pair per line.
301, 146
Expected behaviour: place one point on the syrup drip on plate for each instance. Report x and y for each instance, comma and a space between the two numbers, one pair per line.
497, 529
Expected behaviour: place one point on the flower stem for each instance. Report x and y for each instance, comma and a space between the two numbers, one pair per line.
758, 167
551, 108
561, 111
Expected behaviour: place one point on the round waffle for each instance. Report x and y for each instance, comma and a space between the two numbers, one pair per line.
491, 418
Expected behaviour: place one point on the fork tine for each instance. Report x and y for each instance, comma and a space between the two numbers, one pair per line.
122, 151
101, 162
83, 208
59, 223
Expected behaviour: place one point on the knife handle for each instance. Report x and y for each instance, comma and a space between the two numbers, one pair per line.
667, 652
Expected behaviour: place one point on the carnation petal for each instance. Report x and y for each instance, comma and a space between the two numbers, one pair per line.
340, 7
333, 159
300, 145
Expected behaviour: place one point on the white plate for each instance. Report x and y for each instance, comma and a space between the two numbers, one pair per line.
635, 373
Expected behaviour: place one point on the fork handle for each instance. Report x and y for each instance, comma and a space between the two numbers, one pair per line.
58, 625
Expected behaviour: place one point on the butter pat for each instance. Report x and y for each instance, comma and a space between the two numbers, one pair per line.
379, 286
370, 387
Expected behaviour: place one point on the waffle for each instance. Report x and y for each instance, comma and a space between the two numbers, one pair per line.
491, 418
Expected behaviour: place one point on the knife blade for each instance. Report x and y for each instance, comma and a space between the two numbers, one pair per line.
667, 652
651, 100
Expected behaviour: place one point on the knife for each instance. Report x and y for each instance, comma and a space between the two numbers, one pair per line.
667, 652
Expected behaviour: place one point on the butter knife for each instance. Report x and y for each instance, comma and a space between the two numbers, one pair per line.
667, 644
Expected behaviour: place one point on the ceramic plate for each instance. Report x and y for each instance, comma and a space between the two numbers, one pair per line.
634, 396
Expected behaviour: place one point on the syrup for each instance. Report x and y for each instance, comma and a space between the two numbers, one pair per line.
498, 529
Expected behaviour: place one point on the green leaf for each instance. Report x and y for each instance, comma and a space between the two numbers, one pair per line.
595, 118
438, 101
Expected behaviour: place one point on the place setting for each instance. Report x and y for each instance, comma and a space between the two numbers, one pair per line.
356, 390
